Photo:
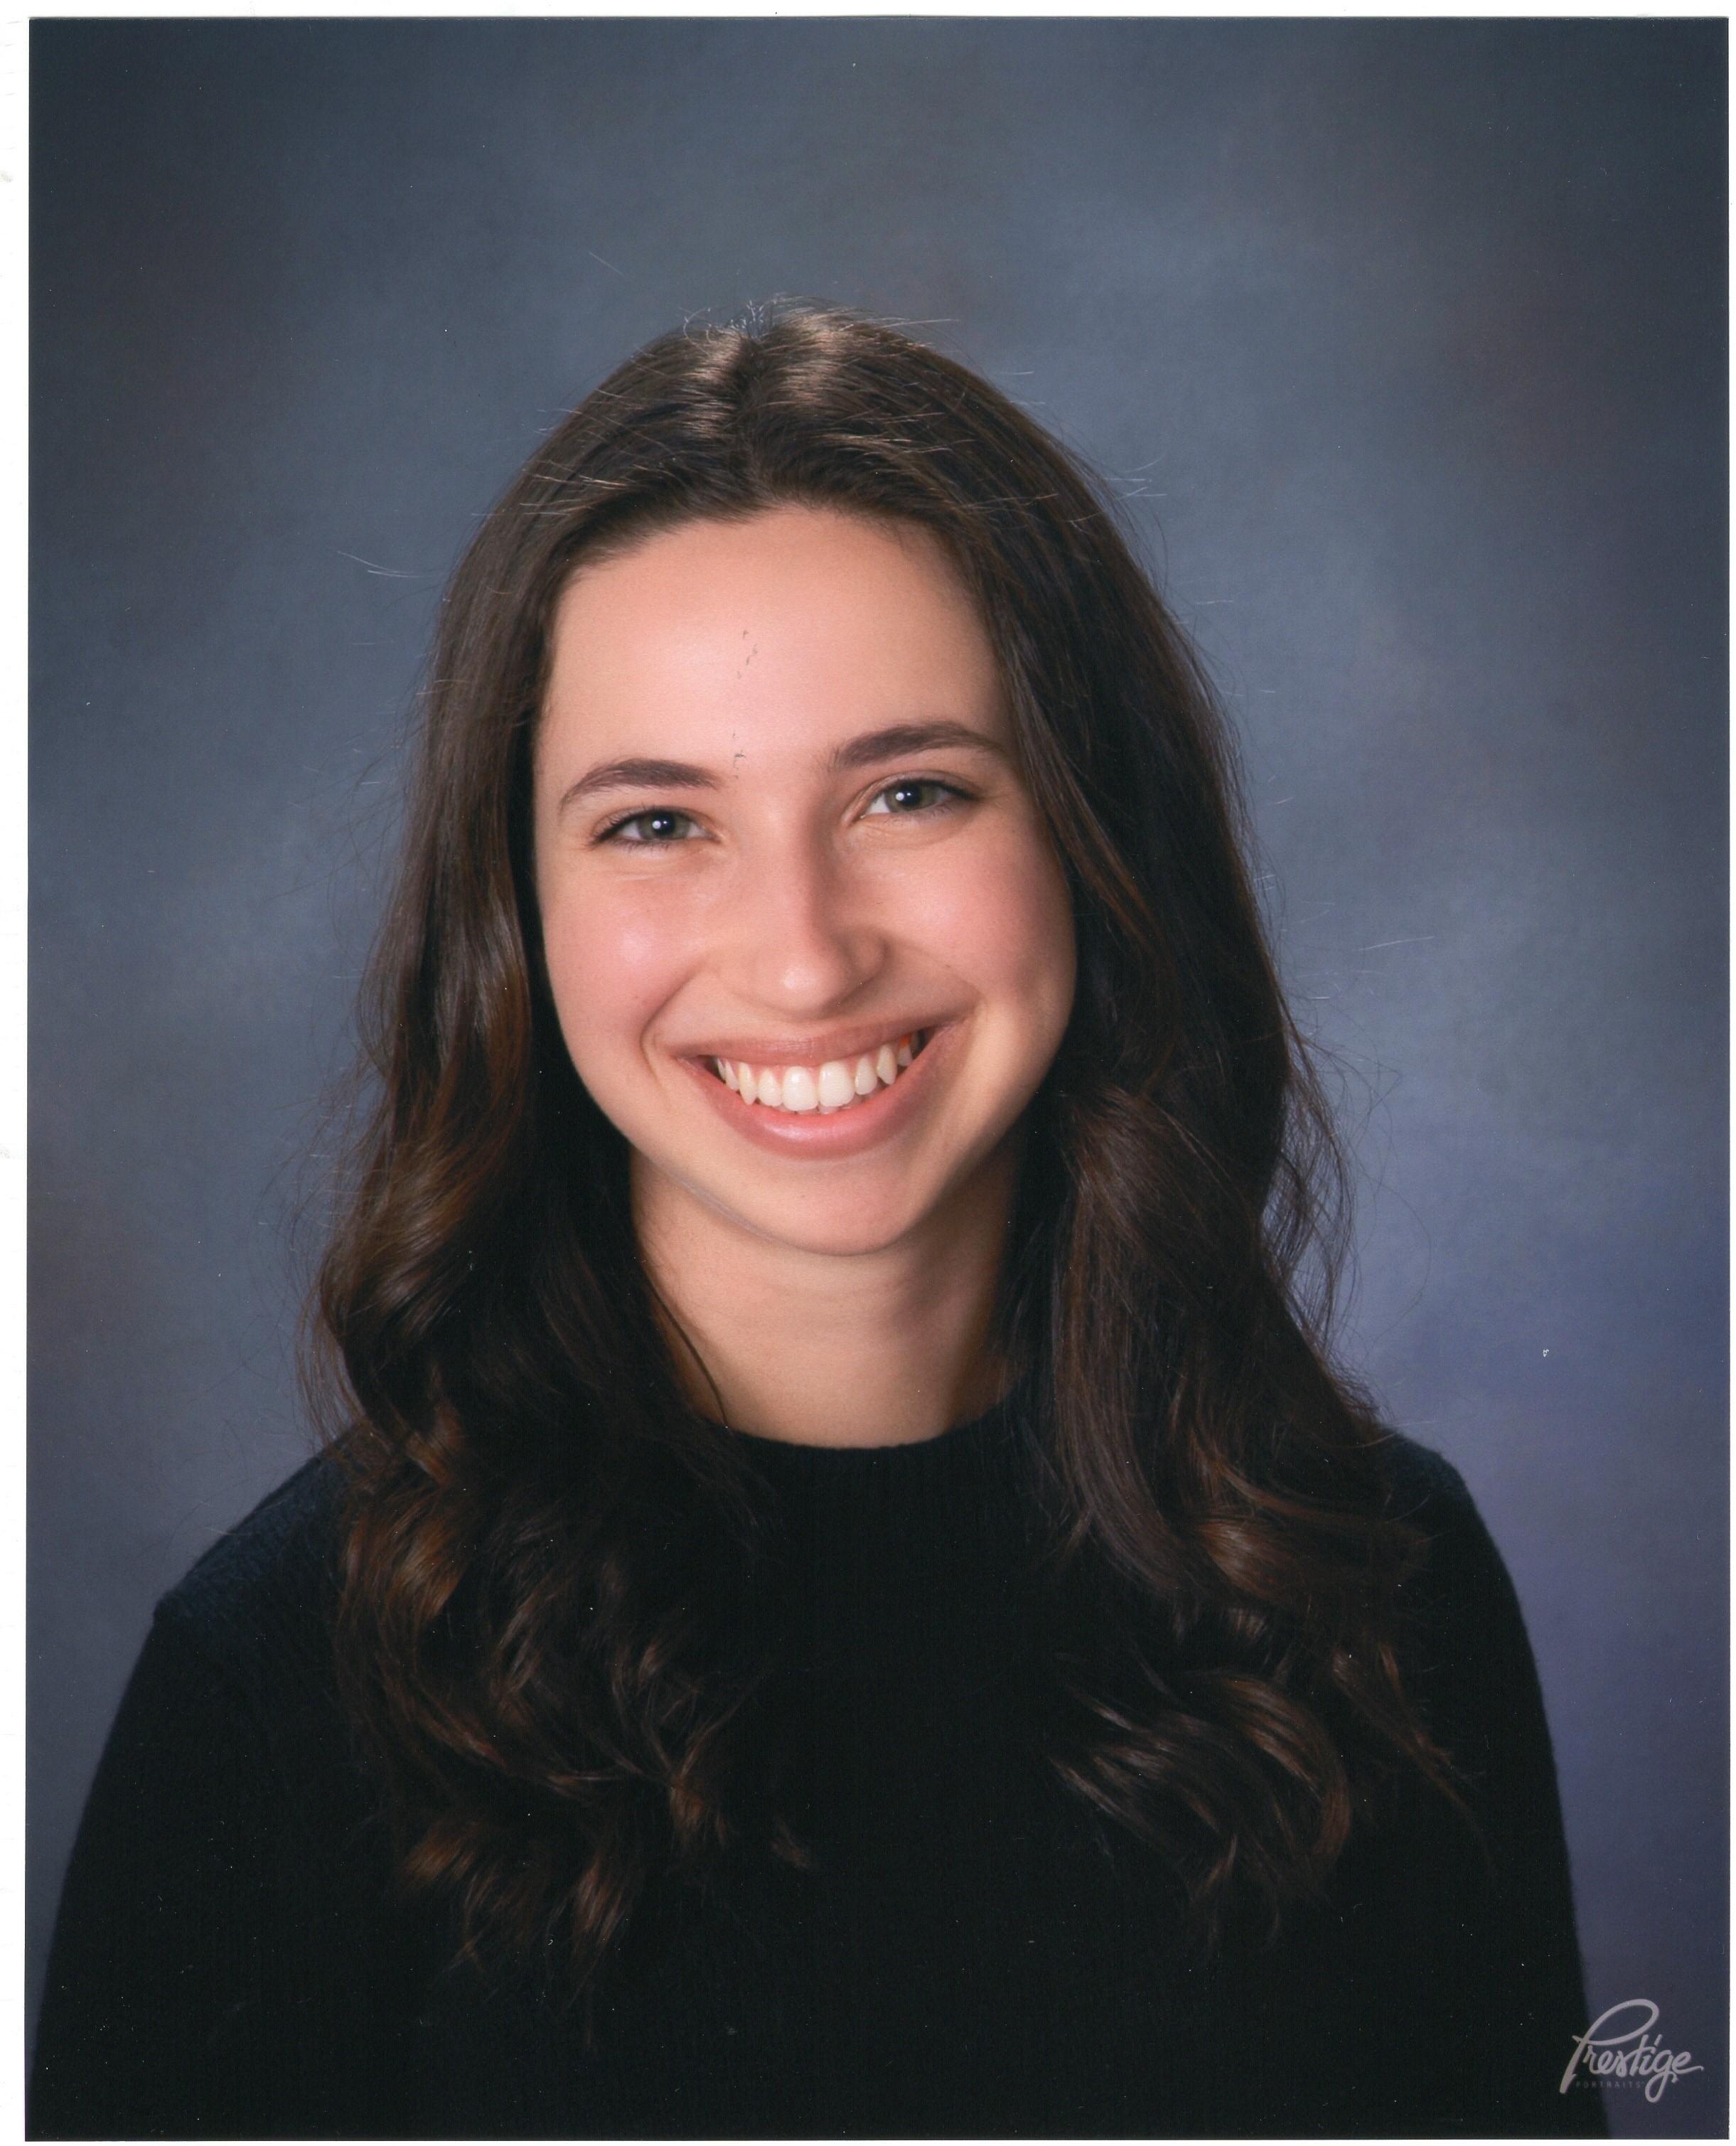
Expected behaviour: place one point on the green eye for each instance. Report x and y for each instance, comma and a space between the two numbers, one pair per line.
647, 830
915, 796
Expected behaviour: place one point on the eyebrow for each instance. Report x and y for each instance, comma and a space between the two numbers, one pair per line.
900, 738
638, 775
863, 752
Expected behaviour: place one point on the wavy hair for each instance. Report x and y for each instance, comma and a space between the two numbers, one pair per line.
553, 1629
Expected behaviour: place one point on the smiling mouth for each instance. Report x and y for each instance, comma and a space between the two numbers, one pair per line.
840, 1084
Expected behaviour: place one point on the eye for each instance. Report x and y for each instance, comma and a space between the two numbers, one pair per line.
915, 794
651, 830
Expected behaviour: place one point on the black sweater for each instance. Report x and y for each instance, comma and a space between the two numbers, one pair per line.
974, 1955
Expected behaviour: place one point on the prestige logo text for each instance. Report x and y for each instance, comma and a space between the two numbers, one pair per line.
1628, 2051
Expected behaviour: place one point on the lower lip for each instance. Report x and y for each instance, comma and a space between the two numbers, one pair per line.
816, 1134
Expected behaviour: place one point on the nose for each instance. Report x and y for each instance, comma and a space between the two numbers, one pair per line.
803, 940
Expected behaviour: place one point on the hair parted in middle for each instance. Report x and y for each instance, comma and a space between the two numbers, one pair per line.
553, 1629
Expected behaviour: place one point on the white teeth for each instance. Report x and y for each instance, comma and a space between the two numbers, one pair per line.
833, 1086
800, 1093
836, 1086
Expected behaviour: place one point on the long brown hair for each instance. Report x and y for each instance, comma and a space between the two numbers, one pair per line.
552, 1631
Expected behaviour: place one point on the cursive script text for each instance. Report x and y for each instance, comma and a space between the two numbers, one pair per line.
1634, 2055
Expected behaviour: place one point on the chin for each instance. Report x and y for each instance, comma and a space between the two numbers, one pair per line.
841, 1209
840, 1227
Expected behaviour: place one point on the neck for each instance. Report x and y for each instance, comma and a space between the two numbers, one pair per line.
878, 1348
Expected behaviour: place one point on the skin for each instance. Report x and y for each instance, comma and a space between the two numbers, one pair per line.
794, 883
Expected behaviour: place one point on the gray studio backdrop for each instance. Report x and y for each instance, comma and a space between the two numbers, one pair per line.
1404, 342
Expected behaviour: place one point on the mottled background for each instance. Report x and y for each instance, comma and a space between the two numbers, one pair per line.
1406, 342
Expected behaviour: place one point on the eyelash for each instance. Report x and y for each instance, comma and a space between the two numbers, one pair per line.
952, 794
631, 819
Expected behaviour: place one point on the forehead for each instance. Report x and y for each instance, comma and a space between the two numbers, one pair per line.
792, 629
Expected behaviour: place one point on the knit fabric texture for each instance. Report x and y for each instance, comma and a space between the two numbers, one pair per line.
973, 1953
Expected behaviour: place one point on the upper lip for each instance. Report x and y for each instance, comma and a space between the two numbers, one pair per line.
806, 1050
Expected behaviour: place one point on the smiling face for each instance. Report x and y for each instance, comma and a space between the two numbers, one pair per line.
783, 854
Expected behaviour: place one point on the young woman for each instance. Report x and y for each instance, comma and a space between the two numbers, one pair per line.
845, 1595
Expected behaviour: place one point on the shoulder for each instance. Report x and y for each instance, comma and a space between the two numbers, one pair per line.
1462, 1629
258, 1604
1427, 1493
1422, 1486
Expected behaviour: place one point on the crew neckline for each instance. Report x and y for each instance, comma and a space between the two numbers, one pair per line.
893, 1517
911, 1453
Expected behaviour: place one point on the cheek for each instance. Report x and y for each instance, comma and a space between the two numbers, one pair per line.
611, 964
1005, 927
